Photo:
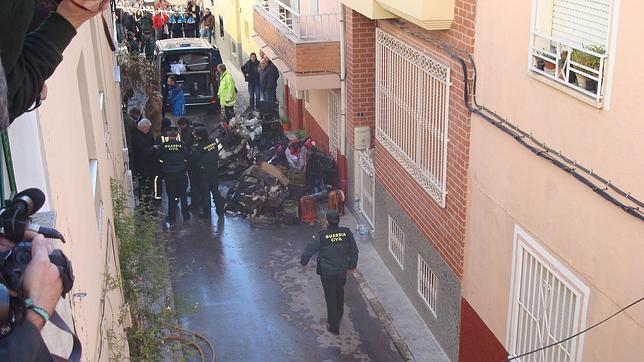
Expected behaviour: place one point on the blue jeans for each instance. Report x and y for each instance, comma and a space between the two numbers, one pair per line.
254, 93
207, 33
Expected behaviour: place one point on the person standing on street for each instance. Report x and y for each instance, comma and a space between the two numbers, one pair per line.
176, 25
227, 92
268, 76
337, 256
176, 97
158, 22
173, 160
144, 161
189, 25
208, 22
251, 74
204, 160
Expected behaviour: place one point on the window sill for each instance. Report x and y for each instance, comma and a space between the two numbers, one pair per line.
569, 91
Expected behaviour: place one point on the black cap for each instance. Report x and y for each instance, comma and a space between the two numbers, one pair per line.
332, 217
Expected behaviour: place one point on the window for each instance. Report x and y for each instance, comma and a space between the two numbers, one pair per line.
396, 242
548, 303
569, 43
411, 118
427, 284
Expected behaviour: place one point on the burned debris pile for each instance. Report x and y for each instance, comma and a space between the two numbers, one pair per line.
275, 179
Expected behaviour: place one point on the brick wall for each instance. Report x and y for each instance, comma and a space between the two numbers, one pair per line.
477, 342
308, 57
444, 227
360, 40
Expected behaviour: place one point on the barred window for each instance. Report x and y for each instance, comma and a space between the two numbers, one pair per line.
412, 102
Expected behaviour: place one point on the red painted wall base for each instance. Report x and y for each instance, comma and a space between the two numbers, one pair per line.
477, 343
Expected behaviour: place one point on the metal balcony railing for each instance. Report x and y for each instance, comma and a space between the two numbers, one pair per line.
581, 68
7, 178
324, 26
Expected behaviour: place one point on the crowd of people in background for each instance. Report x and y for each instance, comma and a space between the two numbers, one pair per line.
139, 25
179, 154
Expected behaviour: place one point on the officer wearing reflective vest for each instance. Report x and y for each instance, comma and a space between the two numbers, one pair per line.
205, 165
337, 256
173, 162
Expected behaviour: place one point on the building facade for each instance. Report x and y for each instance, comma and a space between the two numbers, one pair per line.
405, 88
548, 252
234, 32
303, 38
70, 148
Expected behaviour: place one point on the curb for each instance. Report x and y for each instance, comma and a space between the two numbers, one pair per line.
376, 306
384, 318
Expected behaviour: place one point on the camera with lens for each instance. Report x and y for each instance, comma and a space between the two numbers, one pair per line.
15, 221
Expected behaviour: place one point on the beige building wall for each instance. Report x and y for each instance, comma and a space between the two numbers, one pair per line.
318, 107
80, 121
511, 187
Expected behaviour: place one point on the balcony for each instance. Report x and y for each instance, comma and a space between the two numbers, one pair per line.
304, 43
318, 26
575, 67
429, 14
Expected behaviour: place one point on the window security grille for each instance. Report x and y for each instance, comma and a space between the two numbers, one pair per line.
334, 124
427, 285
368, 187
412, 102
548, 304
396, 242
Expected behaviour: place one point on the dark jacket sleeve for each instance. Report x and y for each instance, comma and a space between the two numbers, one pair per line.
311, 248
24, 344
41, 53
353, 253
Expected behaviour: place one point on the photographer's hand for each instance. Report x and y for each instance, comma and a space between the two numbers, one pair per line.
79, 11
42, 281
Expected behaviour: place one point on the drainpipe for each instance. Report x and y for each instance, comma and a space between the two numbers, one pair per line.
342, 158
343, 89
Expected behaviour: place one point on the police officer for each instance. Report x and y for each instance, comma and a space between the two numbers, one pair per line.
204, 160
337, 255
173, 162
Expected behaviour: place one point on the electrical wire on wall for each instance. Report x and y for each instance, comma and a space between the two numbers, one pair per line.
603, 186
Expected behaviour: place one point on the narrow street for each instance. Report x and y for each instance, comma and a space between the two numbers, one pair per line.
239, 285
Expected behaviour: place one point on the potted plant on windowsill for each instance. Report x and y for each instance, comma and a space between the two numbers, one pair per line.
587, 60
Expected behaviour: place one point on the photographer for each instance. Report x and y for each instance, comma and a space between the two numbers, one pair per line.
30, 58
42, 284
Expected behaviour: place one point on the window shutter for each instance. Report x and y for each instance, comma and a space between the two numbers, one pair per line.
582, 22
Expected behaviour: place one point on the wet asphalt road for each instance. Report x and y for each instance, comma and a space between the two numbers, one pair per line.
239, 285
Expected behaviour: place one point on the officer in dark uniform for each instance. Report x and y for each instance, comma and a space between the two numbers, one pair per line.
337, 254
173, 161
204, 160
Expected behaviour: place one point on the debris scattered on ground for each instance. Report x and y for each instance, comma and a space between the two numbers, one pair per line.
272, 173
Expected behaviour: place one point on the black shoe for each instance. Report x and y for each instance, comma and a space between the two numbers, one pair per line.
186, 217
334, 332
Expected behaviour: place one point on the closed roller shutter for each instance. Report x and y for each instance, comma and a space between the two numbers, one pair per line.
582, 22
